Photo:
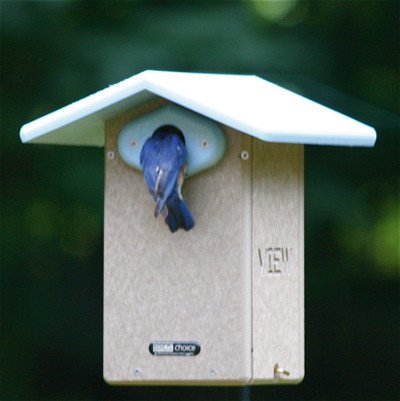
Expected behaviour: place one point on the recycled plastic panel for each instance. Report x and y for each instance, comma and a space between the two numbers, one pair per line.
187, 286
278, 261
234, 284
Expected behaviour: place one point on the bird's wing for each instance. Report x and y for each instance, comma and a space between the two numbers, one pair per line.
162, 161
148, 162
171, 158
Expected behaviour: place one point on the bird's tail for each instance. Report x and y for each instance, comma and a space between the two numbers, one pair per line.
179, 215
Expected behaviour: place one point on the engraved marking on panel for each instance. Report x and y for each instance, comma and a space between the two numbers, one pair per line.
275, 261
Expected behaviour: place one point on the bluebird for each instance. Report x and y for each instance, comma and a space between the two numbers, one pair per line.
163, 160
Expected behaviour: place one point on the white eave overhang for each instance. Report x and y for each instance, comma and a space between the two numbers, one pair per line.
244, 102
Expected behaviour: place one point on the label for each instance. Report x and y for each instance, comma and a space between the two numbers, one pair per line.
174, 348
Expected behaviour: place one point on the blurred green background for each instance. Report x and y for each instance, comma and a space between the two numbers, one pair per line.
344, 54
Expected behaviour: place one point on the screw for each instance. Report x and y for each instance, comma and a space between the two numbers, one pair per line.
244, 155
212, 373
110, 155
280, 371
137, 372
204, 143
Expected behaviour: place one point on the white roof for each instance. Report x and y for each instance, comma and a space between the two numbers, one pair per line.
244, 102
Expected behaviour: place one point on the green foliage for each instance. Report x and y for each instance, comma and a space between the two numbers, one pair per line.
56, 52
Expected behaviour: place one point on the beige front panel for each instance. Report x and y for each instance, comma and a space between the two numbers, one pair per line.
193, 286
277, 254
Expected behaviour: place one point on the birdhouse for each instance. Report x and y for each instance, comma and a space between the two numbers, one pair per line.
222, 303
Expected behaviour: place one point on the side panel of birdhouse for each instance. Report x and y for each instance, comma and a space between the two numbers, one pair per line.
278, 262
190, 287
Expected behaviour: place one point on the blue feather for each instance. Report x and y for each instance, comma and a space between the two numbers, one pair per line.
163, 159
178, 213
